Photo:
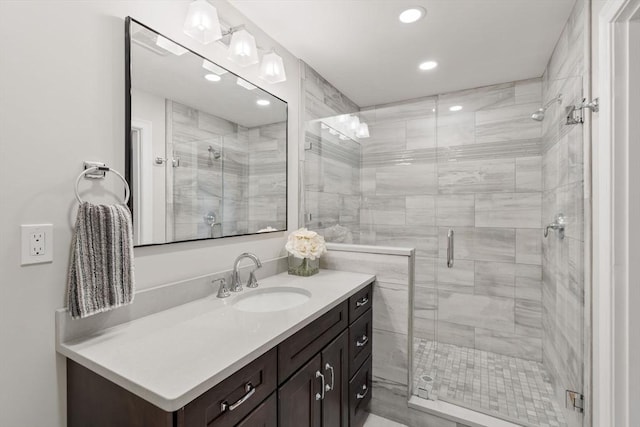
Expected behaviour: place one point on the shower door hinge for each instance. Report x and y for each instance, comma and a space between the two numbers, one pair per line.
574, 115
575, 401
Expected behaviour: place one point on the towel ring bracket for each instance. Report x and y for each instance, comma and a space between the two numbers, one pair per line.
98, 170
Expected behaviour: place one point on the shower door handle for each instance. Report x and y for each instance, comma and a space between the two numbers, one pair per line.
450, 248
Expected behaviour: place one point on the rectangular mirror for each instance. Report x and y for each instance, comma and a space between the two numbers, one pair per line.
206, 152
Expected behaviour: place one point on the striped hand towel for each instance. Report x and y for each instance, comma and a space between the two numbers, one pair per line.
101, 265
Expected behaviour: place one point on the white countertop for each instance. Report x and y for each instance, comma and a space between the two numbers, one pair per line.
171, 357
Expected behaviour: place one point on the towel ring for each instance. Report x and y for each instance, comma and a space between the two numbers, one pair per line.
127, 191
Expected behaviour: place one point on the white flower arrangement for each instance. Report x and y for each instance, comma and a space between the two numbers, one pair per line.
306, 244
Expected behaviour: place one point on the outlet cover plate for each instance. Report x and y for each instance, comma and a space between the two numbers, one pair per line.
27, 232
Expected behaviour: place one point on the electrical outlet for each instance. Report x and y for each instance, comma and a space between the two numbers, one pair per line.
37, 243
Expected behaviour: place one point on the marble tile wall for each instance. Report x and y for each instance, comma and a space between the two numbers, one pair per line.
267, 180
390, 331
426, 169
563, 277
331, 167
234, 172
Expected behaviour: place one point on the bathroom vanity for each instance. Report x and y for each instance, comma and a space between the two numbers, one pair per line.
238, 361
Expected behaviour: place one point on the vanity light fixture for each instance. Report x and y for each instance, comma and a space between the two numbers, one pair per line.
412, 15
245, 84
455, 108
170, 46
355, 123
263, 102
213, 77
210, 66
363, 130
202, 22
428, 65
242, 48
272, 68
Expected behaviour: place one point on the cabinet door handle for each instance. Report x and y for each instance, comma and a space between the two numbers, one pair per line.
328, 367
361, 396
250, 389
362, 301
320, 396
365, 340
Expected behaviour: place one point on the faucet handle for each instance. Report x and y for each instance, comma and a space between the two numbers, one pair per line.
223, 291
252, 282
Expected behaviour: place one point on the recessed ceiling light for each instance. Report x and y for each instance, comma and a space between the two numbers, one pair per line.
455, 108
213, 77
263, 102
412, 15
428, 65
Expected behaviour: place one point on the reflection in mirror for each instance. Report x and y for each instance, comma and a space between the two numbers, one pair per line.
206, 156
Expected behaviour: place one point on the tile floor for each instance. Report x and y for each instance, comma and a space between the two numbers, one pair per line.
376, 421
506, 387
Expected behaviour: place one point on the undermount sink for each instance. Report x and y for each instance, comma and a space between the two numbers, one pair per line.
271, 299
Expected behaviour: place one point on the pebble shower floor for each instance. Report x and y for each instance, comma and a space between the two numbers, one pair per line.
506, 387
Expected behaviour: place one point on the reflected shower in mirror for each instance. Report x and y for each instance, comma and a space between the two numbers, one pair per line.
206, 155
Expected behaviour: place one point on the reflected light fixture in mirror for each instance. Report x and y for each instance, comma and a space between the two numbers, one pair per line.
272, 68
170, 46
263, 102
245, 84
213, 77
242, 48
363, 130
210, 66
202, 22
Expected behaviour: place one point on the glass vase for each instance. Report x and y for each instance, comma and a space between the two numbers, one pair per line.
303, 266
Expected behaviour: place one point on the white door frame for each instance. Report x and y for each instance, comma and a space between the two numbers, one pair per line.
616, 250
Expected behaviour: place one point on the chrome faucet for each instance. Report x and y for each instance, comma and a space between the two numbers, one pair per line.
236, 284
223, 291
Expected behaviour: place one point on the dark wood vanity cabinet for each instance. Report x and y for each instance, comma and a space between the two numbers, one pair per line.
318, 377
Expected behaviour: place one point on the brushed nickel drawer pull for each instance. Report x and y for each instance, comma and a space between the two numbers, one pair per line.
362, 396
365, 340
362, 301
320, 396
328, 367
250, 389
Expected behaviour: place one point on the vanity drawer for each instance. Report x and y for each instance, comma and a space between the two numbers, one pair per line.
360, 395
301, 347
265, 415
360, 341
230, 401
360, 302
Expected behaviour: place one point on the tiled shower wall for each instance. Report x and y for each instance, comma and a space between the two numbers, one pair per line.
563, 291
234, 172
331, 166
196, 186
478, 172
267, 177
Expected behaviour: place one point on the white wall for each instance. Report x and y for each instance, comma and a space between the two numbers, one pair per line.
62, 102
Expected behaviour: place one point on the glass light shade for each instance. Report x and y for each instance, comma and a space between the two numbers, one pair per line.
202, 22
355, 123
272, 68
210, 66
363, 131
242, 48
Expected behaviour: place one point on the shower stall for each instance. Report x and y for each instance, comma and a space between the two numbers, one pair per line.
488, 186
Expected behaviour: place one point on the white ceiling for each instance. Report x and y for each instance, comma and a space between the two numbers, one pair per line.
363, 50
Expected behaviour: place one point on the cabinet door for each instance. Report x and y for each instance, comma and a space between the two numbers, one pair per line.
335, 368
265, 415
299, 398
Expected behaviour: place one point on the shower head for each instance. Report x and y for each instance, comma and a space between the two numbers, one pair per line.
539, 115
